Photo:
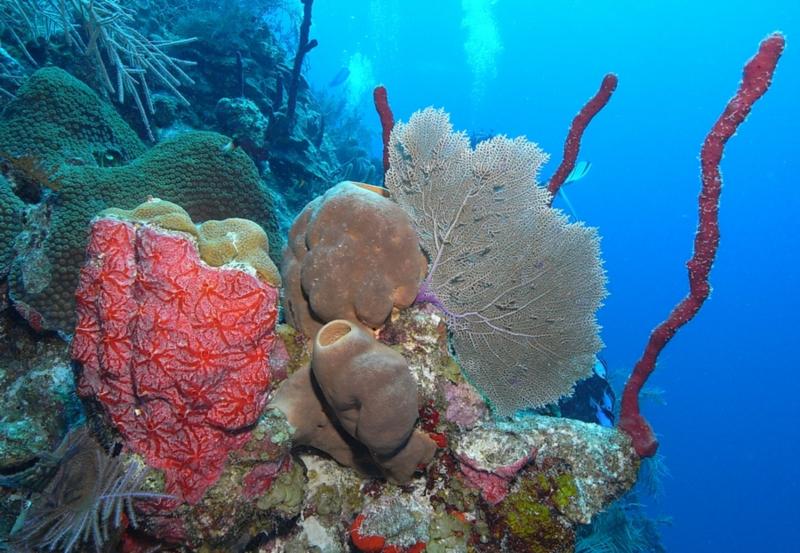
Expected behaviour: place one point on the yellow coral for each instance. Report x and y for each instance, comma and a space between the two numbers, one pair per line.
157, 212
237, 240
219, 242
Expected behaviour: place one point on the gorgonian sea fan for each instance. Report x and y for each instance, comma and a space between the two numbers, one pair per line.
520, 285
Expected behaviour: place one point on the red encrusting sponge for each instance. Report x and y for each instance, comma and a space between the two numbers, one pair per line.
176, 351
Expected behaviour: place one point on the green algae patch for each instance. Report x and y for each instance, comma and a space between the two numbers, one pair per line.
286, 493
565, 491
529, 517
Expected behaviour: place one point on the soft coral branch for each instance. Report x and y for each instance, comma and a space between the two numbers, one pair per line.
755, 82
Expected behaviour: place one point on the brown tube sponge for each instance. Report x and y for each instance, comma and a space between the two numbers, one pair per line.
352, 254
301, 400
367, 394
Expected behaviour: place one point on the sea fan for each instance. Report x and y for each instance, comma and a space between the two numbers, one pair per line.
519, 284
89, 491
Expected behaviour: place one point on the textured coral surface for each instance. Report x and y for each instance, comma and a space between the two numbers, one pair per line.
353, 254
189, 170
10, 223
176, 351
63, 126
232, 241
57, 118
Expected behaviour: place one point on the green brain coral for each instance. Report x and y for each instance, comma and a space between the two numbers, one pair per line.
10, 223
55, 118
194, 170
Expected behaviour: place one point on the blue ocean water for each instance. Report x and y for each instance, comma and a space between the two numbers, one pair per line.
729, 430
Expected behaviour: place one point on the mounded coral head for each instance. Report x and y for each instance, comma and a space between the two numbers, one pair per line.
61, 126
158, 212
231, 241
353, 254
191, 169
10, 223
237, 241
58, 119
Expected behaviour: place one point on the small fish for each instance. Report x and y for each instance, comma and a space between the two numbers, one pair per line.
230, 146
340, 77
600, 368
580, 170
602, 415
481, 135
608, 404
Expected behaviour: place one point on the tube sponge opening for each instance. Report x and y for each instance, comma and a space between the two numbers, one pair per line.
332, 333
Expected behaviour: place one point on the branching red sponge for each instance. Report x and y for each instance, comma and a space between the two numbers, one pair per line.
755, 82
175, 350
573, 143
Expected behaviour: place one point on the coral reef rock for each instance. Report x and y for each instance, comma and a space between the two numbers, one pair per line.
493, 486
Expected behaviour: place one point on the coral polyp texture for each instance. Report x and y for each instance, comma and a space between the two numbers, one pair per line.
11, 209
175, 351
232, 241
519, 284
353, 254
96, 170
56, 119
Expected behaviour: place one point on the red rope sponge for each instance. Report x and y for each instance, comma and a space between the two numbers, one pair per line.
576, 130
755, 82
387, 120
